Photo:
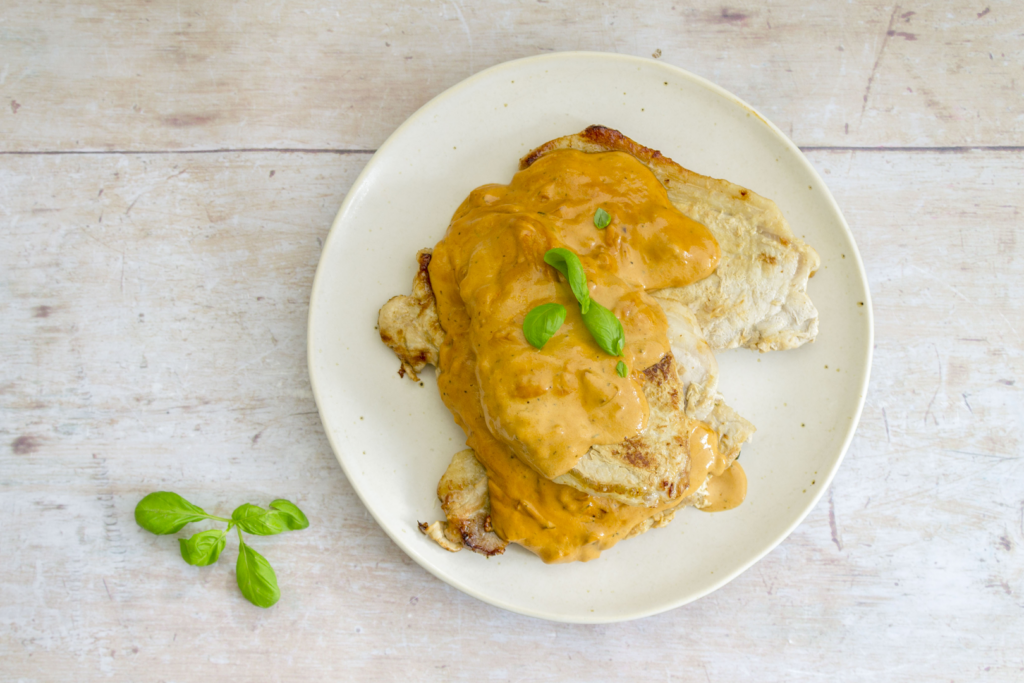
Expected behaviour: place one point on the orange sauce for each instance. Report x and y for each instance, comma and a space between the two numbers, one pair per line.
531, 414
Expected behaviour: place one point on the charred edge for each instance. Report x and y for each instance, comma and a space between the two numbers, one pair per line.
610, 137
469, 536
424, 259
423, 527
658, 372
528, 160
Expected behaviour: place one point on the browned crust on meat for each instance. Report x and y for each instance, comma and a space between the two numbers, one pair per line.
467, 508
603, 139
409, 325
658, 373
424, 256
602, 136
633, 452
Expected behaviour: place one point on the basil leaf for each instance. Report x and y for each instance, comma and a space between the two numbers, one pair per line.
256, 578
204, 548
568, 264
622, 369
291, 515
164, 512
602, 219
542, 322
255, 520
605, 328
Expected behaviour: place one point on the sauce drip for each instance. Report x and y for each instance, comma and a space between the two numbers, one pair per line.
531, 414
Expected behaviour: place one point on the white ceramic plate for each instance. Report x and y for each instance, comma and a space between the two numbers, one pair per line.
395, 438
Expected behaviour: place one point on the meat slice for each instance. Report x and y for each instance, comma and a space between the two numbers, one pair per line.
662, 464
649, 469
467, 506
652, 467
409, 324
757, 297
698, 374
695, 362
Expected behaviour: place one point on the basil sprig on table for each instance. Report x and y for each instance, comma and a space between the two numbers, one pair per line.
164, 513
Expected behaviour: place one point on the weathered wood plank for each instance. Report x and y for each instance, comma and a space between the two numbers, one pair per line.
154, 310
108, 75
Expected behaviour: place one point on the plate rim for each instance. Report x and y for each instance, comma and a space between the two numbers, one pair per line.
350, 198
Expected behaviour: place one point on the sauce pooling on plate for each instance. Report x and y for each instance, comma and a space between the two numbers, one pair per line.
531, 414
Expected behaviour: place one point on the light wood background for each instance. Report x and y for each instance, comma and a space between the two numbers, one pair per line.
168, 171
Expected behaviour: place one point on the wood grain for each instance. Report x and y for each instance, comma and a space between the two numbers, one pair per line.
191, 75
154, 306
154, 311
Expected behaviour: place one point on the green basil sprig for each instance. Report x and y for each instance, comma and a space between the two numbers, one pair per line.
605, 328
164, 512
568, 264
602, 219
621, 369
542, 322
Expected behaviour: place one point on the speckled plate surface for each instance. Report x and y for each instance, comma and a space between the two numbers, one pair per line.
394, 438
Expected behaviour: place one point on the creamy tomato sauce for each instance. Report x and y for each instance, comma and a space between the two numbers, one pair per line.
531, 414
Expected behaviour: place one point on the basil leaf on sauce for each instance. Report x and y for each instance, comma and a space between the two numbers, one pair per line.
542, 322
568, 264
602, 219
605, 328
621, 369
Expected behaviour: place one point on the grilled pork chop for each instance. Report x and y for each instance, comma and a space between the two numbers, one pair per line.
757, 297
649, 469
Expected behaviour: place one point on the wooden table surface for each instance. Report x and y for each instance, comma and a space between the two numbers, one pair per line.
168, 171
